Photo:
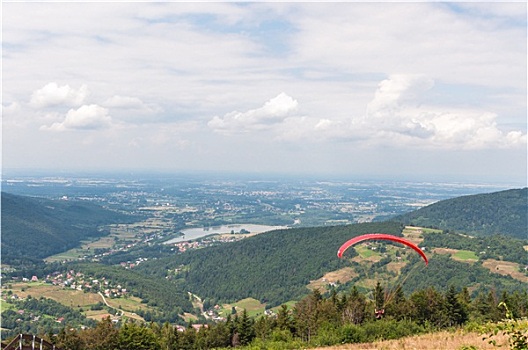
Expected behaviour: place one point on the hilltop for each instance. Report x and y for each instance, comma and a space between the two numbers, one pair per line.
504, 212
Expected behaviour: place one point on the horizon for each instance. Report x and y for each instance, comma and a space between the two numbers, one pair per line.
422, 91
147, 174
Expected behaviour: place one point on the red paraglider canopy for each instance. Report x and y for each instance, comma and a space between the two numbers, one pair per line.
383, 236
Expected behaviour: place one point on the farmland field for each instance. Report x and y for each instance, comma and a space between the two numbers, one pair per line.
67, 297
457, 254
505, 268
342, 275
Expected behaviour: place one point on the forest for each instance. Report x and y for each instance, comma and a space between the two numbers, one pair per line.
484, 214
315, 321
35, 228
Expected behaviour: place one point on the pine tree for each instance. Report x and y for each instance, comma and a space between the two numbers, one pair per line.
456, 313
245, 328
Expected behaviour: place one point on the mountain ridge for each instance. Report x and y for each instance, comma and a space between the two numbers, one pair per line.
503, 212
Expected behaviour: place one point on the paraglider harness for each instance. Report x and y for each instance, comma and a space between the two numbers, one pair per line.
379, 313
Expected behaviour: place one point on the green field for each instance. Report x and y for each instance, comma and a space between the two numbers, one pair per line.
252, 306
465, 255
366, 252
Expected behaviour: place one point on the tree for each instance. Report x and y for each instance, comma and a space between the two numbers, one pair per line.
68, 338
355, 307
306, 314
137, 337
379, 296
285, 319
102, 337
245, 328
397, 306
427, 305
169, 337
456, 313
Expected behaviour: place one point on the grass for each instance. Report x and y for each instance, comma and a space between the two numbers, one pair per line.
65, 296
465, 255
458, 254
367, 253
127, 304
342, 276
252, 306
78, 299
445, 340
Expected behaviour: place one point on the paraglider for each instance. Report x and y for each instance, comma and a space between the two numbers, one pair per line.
379, 311
382, 236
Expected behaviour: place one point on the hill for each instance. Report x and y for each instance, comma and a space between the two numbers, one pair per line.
504, 212
273, 267
278, 266
34, 228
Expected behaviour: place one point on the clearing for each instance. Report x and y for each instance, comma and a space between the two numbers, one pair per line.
458, 254
340, 276
505, 268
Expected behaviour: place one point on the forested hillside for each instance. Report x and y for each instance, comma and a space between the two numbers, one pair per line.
504, 212
273, 267
34, 228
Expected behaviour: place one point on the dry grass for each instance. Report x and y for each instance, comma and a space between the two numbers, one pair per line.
342, 275
396, 266
68, 297
434, 341
413, 234
505, 268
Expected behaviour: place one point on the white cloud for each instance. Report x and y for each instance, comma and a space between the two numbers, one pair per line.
124, 102
273, 112
87, 117
157, 66
132, 109
53, 95
396, 111
395, 117
12, 108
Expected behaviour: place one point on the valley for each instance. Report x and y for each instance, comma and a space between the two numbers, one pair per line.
202, 253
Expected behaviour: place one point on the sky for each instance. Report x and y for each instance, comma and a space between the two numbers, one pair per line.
393, 90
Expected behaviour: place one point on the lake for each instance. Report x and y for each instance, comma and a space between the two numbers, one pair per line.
199, 232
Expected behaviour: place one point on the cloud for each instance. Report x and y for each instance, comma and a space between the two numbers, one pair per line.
395, 112
132, 109
87, 117
272, 113
11, 108
396, 117
53, 95
127, 102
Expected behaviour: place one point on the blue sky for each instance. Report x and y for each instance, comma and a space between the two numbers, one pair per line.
430, 91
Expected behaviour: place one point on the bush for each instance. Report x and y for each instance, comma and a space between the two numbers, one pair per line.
391, 329
351, 333
326, 335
